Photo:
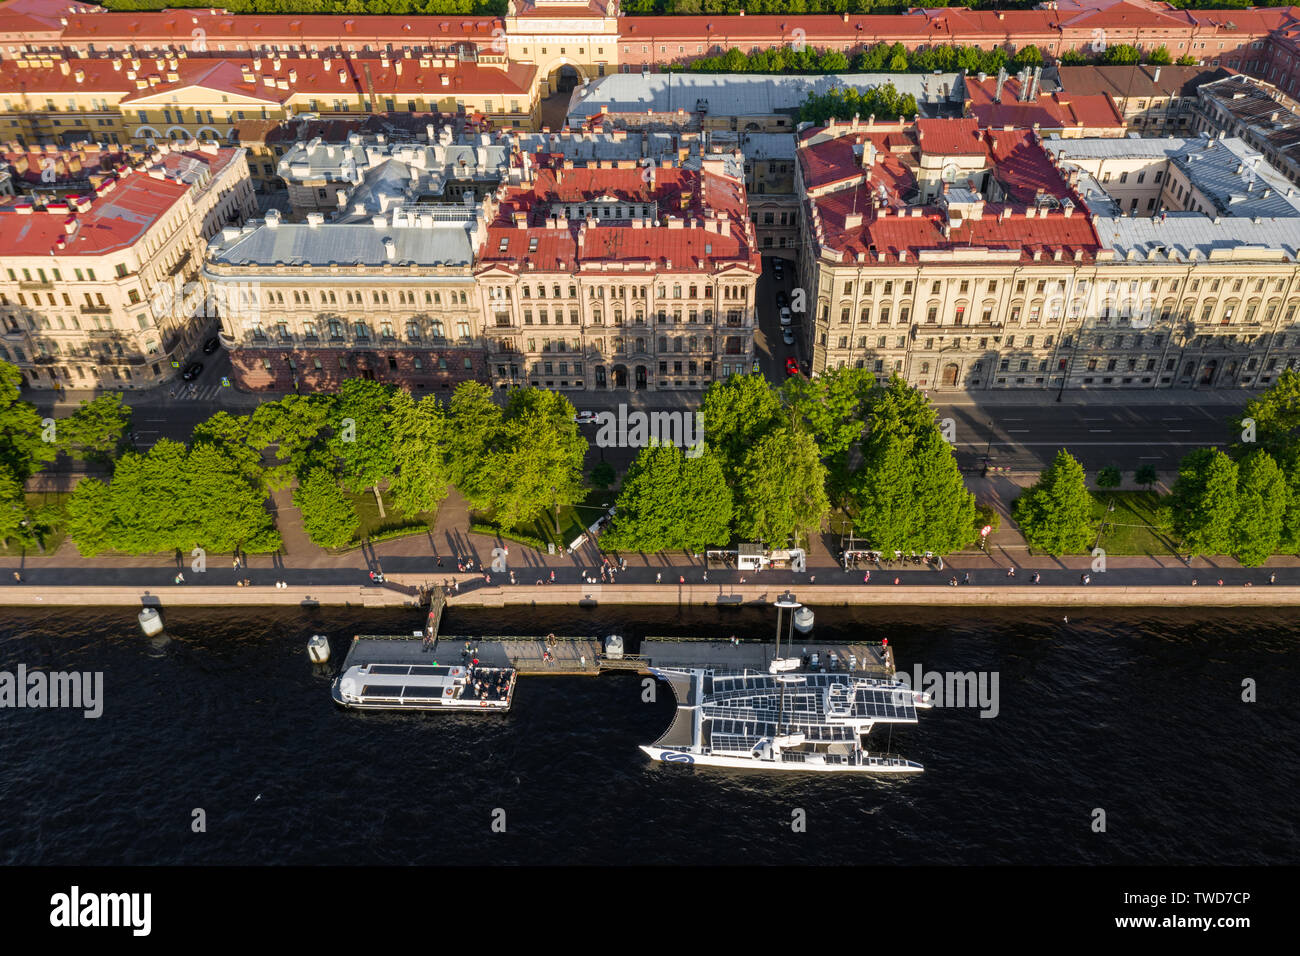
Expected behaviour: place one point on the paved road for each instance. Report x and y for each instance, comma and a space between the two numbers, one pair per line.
1129, 436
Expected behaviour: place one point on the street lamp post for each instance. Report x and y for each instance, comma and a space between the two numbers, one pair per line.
988, 448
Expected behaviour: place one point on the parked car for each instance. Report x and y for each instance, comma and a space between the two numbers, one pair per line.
585, 417
782, 298
777, 268
192, 371
786, 318
211, 345
788, 335
791, 367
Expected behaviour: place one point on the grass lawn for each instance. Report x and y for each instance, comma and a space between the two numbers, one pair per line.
1130, 528
371, 523
39, 499
574, 519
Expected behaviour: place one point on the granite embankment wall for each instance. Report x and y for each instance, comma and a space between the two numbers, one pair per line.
1019, 595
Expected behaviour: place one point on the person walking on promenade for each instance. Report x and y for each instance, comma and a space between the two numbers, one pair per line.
1271, 577
965, 578
866, 577
659, 577
706, 577
1011, 571
681, 579
179, 579
512, 577
1035, 577
1086, 579
552, 577
952, 581
18, 578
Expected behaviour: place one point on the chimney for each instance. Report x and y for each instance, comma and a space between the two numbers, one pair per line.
390, 249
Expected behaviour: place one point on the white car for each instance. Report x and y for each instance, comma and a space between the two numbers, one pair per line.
788, 336
585, 417
785, 317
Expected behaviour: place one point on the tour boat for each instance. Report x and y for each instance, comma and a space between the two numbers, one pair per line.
783, 719
808, 722
425, 687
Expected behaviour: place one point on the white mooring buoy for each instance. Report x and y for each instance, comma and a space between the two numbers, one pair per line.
803, 620
614, 647
151, 621
318, 648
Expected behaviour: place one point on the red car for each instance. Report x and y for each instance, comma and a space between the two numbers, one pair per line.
791, 367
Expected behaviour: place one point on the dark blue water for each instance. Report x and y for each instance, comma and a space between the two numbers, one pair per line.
1135, 712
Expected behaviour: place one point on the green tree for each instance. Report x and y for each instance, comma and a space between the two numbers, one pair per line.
419, 434
296, 427
1186, 60
23, 444
1120, 54
360, 438
1055, 515
1271, 421
328, 516
670, 501
91, 521
1027, 56
1262, 501
781, 488
1159, 56
473, 421
1146, 476
535, 459
1109, 478
833, 405
737, 412
908, 493
95, 428
1203, 502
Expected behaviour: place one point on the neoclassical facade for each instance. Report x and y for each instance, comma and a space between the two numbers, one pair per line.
1031, 275
104, 290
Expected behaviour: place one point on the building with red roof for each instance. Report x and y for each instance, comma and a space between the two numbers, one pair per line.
621, 275
965, 257
102, 289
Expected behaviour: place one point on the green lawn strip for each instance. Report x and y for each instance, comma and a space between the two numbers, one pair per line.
1131, 527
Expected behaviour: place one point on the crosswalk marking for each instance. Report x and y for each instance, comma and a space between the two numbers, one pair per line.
204, 393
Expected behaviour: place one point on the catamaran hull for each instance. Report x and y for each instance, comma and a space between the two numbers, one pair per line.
873, 764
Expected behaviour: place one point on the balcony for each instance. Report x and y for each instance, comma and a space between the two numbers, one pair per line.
95, 309
34, 284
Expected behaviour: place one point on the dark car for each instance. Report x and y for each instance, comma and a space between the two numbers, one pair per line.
791, 367
211, 345
782, 299
192, 371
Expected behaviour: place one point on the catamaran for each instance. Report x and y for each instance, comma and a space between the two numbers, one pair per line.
810, 722
783, 720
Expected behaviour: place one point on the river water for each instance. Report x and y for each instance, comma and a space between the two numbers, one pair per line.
1135, 713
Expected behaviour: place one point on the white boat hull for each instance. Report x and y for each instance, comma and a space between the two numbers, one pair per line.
811, 764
